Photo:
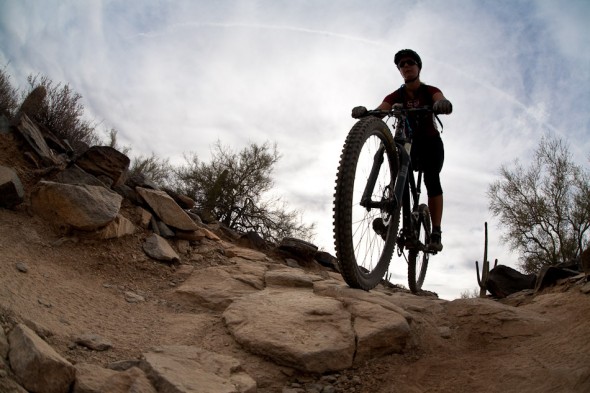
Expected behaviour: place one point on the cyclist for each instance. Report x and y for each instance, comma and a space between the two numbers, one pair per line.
427, 146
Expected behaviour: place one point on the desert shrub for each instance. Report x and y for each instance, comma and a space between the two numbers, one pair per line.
544, 208
62, 113
234, 188
8, 95
158, 170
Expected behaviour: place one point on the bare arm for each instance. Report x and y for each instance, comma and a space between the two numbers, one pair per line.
384, 106
438, 96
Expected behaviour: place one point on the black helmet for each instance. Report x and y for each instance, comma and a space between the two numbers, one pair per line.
407, 53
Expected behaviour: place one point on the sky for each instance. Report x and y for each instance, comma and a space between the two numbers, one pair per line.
175, 77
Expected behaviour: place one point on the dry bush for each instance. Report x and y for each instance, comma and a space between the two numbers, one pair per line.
234, 187
62, 113
544, 208
8, 95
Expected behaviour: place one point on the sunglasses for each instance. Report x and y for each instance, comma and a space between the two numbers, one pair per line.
403, 63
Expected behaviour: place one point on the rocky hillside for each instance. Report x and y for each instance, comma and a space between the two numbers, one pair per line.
108, 284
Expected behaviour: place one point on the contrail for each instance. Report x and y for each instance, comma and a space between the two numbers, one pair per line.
254, 26
264, 27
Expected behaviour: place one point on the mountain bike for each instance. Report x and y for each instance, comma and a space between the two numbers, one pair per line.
375, 187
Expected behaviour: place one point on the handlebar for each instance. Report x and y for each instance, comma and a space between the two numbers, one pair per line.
398, 111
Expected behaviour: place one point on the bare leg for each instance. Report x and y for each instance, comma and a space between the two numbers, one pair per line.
435, 205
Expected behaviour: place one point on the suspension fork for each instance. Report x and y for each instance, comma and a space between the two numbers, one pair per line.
402, 175
378, 159
400, 181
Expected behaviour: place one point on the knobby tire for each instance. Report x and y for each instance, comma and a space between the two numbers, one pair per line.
363, 254
418, 259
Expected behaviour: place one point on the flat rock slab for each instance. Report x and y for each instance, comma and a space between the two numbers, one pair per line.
295, 328
217, 287
190, 369
167, 209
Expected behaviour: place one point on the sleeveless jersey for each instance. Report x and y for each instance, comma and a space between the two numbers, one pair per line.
423, 125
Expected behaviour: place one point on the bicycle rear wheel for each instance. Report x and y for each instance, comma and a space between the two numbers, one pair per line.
417, 257
365, 237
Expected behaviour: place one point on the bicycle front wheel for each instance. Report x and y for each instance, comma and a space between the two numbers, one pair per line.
365, 234
417, 257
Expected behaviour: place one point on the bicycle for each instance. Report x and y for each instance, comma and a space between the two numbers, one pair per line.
375, 185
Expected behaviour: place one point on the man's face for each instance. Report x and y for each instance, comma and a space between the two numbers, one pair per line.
408, 68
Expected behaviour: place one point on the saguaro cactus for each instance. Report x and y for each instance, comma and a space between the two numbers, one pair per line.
485, 268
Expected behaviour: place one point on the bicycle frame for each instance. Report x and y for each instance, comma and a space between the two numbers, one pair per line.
401, 193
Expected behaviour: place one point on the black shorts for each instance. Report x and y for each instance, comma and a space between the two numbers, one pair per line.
428, 155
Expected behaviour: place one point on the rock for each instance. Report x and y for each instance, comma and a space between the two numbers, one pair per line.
128, 193
144, 217
94, 342
81, 207
191, 236
8, 385
158, 248
550, 275
294, 278
182, 200
167, 210
76, 175
490, 321
140, 180
123, 365
295, 328
22, 267
37, 366
12, 192
503, 281
217, 287
131, 297
34, 137
164, 230
95, 379
379, 331
4, 124
244, 253
252, 239
117, 228
187, 369
105, 161
33, 103
298, 247
326, 259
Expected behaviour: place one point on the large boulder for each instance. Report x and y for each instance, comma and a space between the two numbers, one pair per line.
37, 365
35, 138
504, 280
80, 207
295, 328
105, 161
75, 175
167, 209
